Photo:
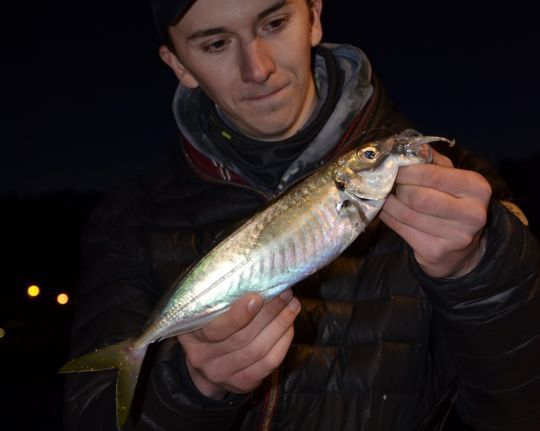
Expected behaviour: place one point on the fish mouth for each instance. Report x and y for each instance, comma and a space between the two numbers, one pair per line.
415, 150
412, 145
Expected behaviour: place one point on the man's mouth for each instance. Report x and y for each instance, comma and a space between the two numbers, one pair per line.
264, 95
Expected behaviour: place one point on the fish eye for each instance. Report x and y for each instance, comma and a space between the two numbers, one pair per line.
369, 153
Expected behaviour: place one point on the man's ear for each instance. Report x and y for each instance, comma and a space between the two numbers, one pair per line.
183, 74
316, 25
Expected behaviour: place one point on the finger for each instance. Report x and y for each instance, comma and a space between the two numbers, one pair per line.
457, 182
247, 334
438, 256
432, 202
229, 364
249, 378
237, 317
238, 336
200, 350
431, 244
411, 224
268, 313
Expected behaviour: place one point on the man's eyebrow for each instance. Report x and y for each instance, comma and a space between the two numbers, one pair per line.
217, 30
272, 9
207, 32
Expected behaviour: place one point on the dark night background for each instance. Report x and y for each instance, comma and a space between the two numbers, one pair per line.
86, 105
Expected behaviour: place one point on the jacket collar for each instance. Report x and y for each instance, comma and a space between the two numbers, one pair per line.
355, 100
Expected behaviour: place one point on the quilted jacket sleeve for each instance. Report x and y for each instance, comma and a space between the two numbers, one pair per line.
491, 319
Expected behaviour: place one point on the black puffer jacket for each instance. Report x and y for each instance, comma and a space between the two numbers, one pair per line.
377, 344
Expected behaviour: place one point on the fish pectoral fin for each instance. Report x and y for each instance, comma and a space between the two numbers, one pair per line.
123, 357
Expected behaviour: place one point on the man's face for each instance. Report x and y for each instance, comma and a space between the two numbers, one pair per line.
253, 58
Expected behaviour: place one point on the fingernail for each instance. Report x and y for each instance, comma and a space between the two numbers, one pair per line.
253, 305
286, 295
294, 304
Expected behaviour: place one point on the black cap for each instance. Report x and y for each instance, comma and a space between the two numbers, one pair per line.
169, 12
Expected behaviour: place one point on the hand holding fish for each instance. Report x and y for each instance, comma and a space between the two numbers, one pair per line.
441, 213
237, 350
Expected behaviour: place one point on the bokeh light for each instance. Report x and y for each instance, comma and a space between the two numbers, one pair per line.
62, 299
33, 291
2, 333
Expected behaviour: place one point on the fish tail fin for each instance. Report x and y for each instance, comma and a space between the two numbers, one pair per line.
126, 358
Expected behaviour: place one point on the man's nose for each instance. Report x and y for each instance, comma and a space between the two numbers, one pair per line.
257, 62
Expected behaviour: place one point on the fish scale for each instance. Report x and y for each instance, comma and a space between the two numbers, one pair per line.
297, 234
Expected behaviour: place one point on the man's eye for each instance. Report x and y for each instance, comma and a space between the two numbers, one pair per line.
275, 24
215, 46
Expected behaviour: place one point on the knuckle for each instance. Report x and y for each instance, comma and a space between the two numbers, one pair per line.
462, 241
436, 252
486, 190
215, 375
275, 356
254, 352
238, 339
421, 201
407, 215
483, 183
459, 241
246, 382
209, 334
480, 218
273, 360
196, 359
286, 318
477, 217
433, 176
238, 320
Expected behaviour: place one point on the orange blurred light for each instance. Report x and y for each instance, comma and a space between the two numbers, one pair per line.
33, 291
2, 333
62, 299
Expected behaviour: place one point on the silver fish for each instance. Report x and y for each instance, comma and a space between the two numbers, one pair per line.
299, 233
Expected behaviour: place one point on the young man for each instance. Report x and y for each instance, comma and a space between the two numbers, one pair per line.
433, 310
